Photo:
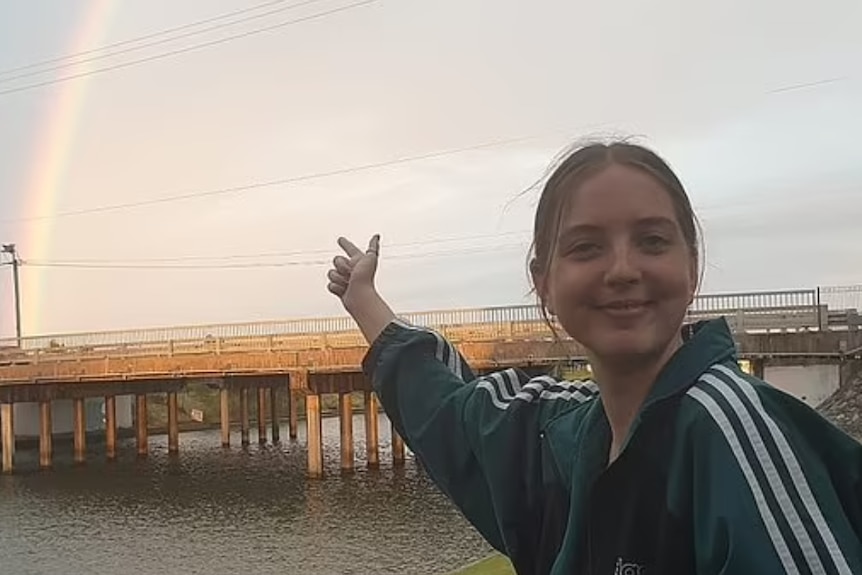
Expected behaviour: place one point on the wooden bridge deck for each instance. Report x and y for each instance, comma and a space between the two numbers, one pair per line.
486, 346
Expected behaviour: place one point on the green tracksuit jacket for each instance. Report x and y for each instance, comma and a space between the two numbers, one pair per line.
721, 473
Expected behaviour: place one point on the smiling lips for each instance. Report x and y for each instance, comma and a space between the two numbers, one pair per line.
625, 308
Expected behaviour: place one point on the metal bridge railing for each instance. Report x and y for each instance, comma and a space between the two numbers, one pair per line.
841, 297
755, 300
790, 303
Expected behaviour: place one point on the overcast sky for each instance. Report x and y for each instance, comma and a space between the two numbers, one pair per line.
757, 105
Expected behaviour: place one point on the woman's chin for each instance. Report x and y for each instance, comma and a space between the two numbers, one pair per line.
625, 348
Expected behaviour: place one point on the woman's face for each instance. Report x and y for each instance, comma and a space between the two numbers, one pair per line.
622, 275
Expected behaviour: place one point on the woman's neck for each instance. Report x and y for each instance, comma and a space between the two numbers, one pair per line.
624, 388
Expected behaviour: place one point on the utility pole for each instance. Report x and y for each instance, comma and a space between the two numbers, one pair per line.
10, 249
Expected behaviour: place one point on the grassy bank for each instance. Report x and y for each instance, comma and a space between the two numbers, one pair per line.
493, 565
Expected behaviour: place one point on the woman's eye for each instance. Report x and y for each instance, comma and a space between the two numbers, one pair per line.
583, 249
654, 242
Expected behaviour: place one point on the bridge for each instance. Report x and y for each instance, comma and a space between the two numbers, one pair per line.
809, 341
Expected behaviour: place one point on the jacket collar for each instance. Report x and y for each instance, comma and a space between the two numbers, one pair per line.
705, 343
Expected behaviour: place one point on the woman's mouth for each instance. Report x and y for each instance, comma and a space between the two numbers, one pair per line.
625, 308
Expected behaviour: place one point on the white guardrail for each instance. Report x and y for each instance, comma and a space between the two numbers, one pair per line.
813, 309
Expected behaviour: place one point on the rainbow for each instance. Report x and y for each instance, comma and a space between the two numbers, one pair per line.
50, 157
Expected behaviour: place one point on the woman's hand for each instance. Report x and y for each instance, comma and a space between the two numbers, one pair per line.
354, 274
352, 280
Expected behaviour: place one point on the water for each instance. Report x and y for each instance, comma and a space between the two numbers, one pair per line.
212, 511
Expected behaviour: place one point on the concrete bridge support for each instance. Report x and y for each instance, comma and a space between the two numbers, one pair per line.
243, 417
224, 415
173, 424
811, 381
79, 431
28, 413
141, 437
261, 415
397, 448
43, 418
314, 435
7, 436
345, 416
372, 439
347, 438
273, 406
758, 367
46, 435
293, 415
111, 428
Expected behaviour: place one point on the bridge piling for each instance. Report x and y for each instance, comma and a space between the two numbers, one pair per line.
173, 424
261, 415
224, 415
273, 406
46, 428
372, 440
7, 436
397, 448
314, 435
110, 428
293, 415
79, 431
243, 416
45, 435
141, 425
758, 367
345, 413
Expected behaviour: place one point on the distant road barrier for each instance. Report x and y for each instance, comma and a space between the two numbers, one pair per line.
792, 310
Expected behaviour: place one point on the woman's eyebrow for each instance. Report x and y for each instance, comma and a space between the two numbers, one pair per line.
656, 222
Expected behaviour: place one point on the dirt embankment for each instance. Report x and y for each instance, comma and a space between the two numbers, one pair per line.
844, 408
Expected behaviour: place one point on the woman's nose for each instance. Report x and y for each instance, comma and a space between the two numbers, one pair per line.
622, 267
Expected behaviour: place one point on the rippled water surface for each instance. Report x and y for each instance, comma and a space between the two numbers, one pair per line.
211, 511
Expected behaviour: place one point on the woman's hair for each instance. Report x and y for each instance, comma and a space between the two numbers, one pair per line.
579, 165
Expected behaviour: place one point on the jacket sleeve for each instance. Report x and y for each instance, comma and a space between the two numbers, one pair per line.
775, 487
477, 437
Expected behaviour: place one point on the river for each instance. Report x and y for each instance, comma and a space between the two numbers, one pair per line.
238, 510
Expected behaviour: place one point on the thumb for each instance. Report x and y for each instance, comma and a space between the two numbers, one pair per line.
374, 245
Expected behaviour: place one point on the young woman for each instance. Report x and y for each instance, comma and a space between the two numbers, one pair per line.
674, 461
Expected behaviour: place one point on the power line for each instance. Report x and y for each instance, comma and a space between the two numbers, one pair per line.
189, 48
96, 57
272, 183
283, 264
343, 171
138, 38
282, 254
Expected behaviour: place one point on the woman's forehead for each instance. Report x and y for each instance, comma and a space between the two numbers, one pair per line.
617, 193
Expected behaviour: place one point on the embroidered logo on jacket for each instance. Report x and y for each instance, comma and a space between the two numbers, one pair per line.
629, 568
